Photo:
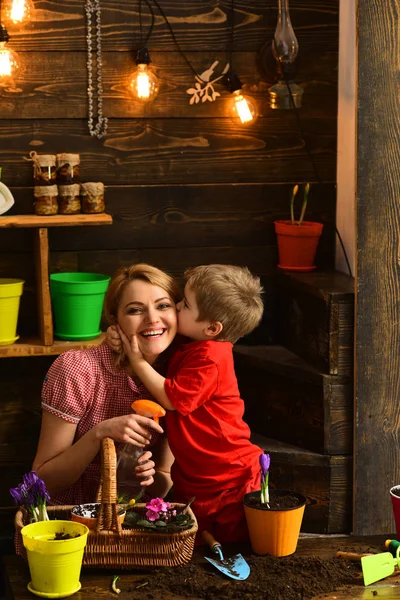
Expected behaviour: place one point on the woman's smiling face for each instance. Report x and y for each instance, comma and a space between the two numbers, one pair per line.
149, 312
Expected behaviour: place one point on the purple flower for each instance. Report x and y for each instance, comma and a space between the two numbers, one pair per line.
30, 479
265, 462
17, 495
32, 494
40, 491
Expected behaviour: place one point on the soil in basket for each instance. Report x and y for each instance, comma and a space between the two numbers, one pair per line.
271, 578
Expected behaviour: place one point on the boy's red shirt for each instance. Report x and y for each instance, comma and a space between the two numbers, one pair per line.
207, 434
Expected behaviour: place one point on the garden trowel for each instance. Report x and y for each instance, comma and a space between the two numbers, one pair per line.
378, 566
235, 567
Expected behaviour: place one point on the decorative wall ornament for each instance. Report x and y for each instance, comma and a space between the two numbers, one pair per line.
204, 88
6, 198
99, 130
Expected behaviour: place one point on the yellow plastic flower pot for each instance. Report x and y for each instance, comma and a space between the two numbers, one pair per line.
10, 295
274, 531
54, 565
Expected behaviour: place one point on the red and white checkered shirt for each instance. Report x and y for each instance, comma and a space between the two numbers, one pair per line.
83, 387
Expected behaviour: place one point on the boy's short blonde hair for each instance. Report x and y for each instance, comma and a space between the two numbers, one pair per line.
229, 294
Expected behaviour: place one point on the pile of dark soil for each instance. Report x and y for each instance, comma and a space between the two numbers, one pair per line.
271, 578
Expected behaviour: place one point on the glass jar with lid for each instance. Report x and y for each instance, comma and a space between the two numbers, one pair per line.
68, 169
93, 197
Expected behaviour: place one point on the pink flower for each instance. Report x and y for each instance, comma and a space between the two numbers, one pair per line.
152, 515
158, 505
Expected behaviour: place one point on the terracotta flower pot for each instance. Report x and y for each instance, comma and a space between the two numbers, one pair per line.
274, 531
297, 244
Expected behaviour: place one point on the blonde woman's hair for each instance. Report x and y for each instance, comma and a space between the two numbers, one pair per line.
229, 294
126, 275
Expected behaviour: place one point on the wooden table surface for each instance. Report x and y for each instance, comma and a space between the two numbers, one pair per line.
96, 583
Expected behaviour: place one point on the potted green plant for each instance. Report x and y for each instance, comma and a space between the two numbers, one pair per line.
161, 517
51, 546
273, 516
297, 240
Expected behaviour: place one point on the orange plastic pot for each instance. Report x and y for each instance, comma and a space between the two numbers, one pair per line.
297, 244
274, 531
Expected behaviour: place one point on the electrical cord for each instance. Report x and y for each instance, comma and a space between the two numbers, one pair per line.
144, 43
191, 67
317, 176
232, 24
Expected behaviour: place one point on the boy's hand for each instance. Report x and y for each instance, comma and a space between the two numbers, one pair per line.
131, 347
113, 338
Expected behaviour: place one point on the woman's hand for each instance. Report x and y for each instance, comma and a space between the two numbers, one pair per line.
130, 429
145, 469
113, 338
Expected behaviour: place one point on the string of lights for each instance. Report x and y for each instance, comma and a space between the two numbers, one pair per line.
144, 84
9, 59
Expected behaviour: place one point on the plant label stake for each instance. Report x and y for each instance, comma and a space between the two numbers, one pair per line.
379, 566
235, 567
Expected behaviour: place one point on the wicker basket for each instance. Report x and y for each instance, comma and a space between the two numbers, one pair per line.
112, 547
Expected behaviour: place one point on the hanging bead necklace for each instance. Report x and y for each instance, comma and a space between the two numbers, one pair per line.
98, 130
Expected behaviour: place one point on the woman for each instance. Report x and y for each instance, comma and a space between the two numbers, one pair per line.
87, 395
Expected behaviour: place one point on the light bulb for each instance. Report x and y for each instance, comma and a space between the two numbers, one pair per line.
285, 46
9, 64
244, 108
144, 84
18, 11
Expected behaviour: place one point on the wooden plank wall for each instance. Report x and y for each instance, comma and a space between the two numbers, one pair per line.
185, 184
377, 394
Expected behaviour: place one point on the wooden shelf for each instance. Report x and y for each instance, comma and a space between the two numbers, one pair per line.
55, 220
45, 344
34, 347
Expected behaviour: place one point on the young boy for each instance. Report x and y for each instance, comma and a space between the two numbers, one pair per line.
214, 458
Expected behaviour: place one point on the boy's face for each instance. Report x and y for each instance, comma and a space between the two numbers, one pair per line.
188, 313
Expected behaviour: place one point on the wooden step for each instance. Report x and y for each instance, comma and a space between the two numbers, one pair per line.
290, 400
326, 481
316, 316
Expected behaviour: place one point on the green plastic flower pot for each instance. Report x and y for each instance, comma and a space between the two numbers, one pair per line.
77, 300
